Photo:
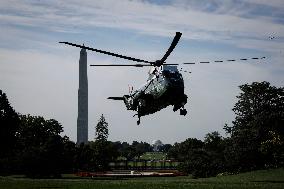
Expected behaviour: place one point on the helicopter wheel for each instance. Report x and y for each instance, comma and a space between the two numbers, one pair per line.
138, 121
183, 112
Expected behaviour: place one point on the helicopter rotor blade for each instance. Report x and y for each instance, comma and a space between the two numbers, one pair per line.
189, 63
131, 65
115, 98
108, 53
124, 65
228, 60
171, 48
155, 63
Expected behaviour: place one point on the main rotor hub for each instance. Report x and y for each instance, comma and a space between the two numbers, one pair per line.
158, 63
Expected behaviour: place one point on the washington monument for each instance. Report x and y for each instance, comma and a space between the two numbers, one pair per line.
82, 120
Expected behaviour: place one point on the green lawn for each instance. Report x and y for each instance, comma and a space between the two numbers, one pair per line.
259, 179
153, 156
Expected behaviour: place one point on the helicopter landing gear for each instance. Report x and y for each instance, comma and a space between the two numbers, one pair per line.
183, 111
138, 121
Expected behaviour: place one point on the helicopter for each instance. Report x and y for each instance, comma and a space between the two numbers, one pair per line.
164, 86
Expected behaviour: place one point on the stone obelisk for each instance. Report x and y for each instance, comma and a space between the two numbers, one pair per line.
82, 120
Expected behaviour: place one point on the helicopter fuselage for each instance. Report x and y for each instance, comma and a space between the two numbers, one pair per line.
163, 88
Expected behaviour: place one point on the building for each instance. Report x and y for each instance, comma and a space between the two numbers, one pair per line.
156, 144
82, 120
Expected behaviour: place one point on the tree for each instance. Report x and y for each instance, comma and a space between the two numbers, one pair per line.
166, 147
125, 150
85, 158
102, 129
259, 117
200, 163
69, 154
140, 148
214, 142
35, 130
101, 153
273, 147
40, 146
214, 145
201, 159
9, 124
181, 151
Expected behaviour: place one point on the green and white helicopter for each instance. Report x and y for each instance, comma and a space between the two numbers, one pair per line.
164, 86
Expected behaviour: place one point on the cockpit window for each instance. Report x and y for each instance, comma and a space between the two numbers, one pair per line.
171, 74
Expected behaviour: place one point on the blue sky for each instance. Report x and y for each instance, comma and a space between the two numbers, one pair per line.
40, 76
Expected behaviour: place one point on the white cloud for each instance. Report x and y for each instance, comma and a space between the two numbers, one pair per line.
141, 17
272, 3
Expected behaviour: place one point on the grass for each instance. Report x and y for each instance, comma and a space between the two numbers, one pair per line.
153, 159
258, 179
153, 156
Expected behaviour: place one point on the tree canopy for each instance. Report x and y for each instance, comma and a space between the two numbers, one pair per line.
259, 121
102, 129
33, 145
9, 124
